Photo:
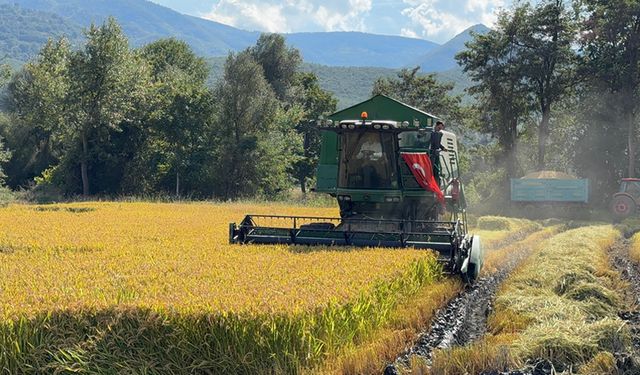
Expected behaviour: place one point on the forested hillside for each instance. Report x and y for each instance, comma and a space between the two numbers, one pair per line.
23, 32
351, 85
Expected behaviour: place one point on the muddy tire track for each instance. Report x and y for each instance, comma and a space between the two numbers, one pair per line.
630, 271
464, 318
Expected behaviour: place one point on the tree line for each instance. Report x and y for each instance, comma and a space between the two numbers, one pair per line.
555, 84
110, 120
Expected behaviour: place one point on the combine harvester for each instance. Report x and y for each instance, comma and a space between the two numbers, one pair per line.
375, 160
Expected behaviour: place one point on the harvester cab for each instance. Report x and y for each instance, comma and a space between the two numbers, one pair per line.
392, 190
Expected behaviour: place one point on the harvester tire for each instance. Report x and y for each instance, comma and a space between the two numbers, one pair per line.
476, 258
623, 206
474, 266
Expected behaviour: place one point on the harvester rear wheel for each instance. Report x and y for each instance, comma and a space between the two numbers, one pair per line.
623, 207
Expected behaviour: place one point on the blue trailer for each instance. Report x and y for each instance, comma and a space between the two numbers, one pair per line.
548, 190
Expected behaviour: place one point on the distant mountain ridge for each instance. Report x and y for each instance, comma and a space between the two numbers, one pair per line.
347, 63
442, 58
144, 22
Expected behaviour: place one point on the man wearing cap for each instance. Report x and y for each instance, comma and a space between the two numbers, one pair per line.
436, 147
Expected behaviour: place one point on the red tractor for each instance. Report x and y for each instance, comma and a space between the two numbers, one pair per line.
626, 201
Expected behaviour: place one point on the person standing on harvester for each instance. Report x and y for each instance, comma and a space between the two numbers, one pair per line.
436, 147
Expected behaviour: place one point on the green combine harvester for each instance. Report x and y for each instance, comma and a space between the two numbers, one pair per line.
375, 160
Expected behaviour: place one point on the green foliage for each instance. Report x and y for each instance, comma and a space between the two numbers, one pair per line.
107, 83
279, 62
610, 47
316, 103
23, 32
491, 61
36, 100
545, 35
178, 141
247, 110
422, 91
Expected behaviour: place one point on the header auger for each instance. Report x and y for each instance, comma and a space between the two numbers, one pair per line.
379, 167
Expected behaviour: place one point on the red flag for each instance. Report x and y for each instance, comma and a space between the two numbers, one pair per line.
422, 170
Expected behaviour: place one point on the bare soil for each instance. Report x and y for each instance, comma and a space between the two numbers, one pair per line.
630, 271
464, 319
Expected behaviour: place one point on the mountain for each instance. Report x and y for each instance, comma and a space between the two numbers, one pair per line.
442, 58
24, 31
144, 22
358, 49
352, 85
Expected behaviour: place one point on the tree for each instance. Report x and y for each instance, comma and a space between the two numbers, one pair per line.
611, 48
315, 102
5, 155
5, 74
183, 107
278, 62
544, 37
422, 91
491, 60
106, 82
37, 100
246, 116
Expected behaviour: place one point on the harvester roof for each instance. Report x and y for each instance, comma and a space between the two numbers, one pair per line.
381, 107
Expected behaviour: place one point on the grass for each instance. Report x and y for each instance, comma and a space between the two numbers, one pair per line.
560, 305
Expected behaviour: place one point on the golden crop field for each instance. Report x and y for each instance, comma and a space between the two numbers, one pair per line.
88, 267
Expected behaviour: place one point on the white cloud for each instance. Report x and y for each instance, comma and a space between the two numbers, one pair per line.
292, 15
408, 33
441, 20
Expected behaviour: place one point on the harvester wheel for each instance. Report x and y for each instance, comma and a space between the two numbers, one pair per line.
476, 258
623, 206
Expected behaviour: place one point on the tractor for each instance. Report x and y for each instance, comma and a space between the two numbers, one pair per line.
376, 161
626, 201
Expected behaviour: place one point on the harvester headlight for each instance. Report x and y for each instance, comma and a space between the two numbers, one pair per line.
352, 126
329, 123
396, 199
344, 126
405, 124
377, 126
385, 127
345, 198
388, 199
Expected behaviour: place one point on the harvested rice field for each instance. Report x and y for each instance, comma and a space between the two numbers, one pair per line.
120, 287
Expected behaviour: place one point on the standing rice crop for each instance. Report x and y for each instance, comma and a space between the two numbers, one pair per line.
155, 288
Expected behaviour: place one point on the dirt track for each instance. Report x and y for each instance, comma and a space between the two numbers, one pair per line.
464, 319
630, 272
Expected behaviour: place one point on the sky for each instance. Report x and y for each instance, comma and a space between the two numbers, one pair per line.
434, 20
